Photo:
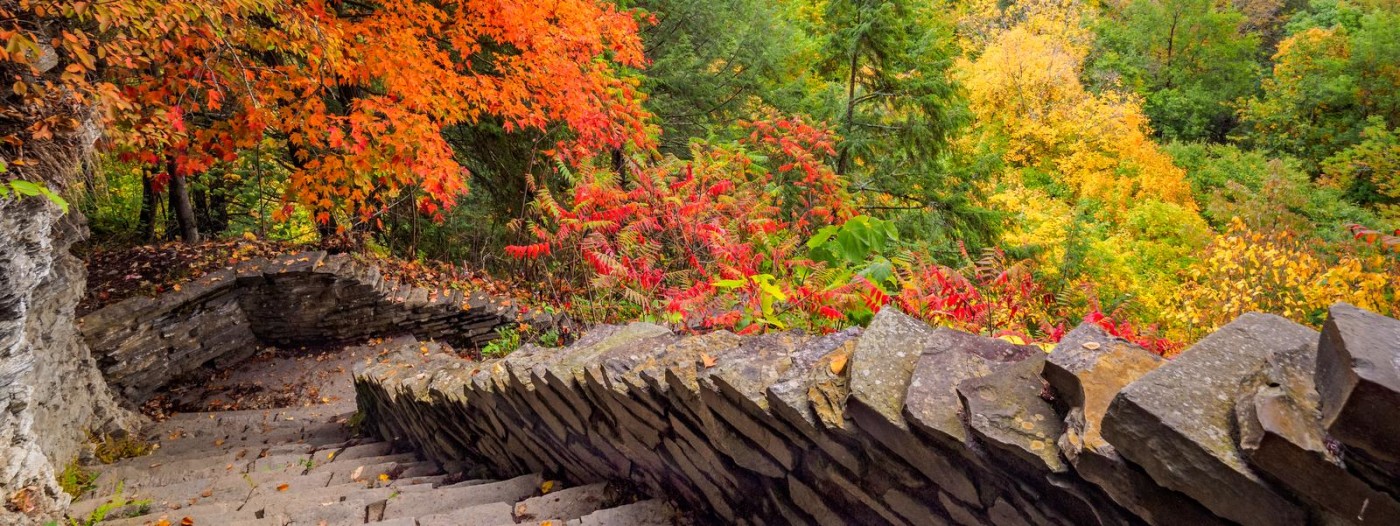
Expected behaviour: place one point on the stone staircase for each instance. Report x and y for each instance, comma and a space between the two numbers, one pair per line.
305, 466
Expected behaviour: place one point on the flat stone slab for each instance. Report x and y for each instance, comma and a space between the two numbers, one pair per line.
565, 504
883, 364
446, 500
645, 513
948, 358
1006, 411
1176, 421
1358, 379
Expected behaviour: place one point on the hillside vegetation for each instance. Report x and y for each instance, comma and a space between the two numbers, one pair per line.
1007, 168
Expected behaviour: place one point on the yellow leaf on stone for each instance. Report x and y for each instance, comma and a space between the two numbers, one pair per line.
547, 486
384, 477
838, 363
1012, 338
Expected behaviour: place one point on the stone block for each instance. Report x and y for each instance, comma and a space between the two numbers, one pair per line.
1358, 378
1176, 421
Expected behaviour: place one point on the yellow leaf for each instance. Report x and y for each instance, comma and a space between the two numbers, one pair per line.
250, 236
707, 360
547, 486
838, 363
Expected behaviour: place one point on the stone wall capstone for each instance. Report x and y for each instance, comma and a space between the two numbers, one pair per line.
1257, 424
221, 318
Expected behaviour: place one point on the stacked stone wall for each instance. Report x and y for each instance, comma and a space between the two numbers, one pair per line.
1265, 422
300, 299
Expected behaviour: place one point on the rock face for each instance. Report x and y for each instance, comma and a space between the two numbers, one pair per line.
50, 391
1358, 375
1176, 421
142, 343
902, 424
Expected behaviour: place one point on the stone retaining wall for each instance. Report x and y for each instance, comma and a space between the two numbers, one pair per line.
308, 298
1261, 423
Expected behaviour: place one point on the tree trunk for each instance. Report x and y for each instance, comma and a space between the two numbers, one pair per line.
181, 207
843, 156
146, 222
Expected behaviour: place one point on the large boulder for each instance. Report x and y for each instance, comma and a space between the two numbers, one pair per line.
1177, 421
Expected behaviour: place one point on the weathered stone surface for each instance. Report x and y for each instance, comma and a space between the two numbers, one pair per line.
222, 317
883, 364
948, 358
758, 430
1086, 370
51, 392
1176, 421
1005, 409
1358, 378
1283, 438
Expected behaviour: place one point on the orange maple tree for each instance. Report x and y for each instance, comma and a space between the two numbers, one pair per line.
355, 94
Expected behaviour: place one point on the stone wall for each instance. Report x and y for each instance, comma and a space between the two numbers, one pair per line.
308, 298
51, 394
1262, 423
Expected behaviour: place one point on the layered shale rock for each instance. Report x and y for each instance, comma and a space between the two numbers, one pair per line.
308, 298
905, 424
51, 394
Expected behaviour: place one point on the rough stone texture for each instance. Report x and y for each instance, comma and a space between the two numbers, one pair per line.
757, 430
1177, 421
932, 404
1006, 411
305, 466
1358, 377
1085, 371
142, 343
50, 389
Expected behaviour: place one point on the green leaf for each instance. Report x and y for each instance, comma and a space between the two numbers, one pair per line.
729, 283
26, 188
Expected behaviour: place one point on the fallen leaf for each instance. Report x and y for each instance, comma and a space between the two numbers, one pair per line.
707, 360
186, 522
355, 475
838, 363
207, 493
547, 486
282, 487
1093, 346
384, 477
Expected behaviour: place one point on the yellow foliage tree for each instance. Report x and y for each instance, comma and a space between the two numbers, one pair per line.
1024, 90
1247, 271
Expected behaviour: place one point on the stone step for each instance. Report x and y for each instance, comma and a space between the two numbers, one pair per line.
216, 513
315, 436
279, 501
493, 514
157, 473
644, 513
565, 504
445, 500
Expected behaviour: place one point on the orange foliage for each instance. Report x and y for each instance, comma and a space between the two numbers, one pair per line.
357, 96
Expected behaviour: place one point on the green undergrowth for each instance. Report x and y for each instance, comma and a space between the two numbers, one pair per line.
75, 480
109, 449
509, 340
118, 502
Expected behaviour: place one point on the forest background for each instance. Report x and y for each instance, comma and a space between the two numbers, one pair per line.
1008, 168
